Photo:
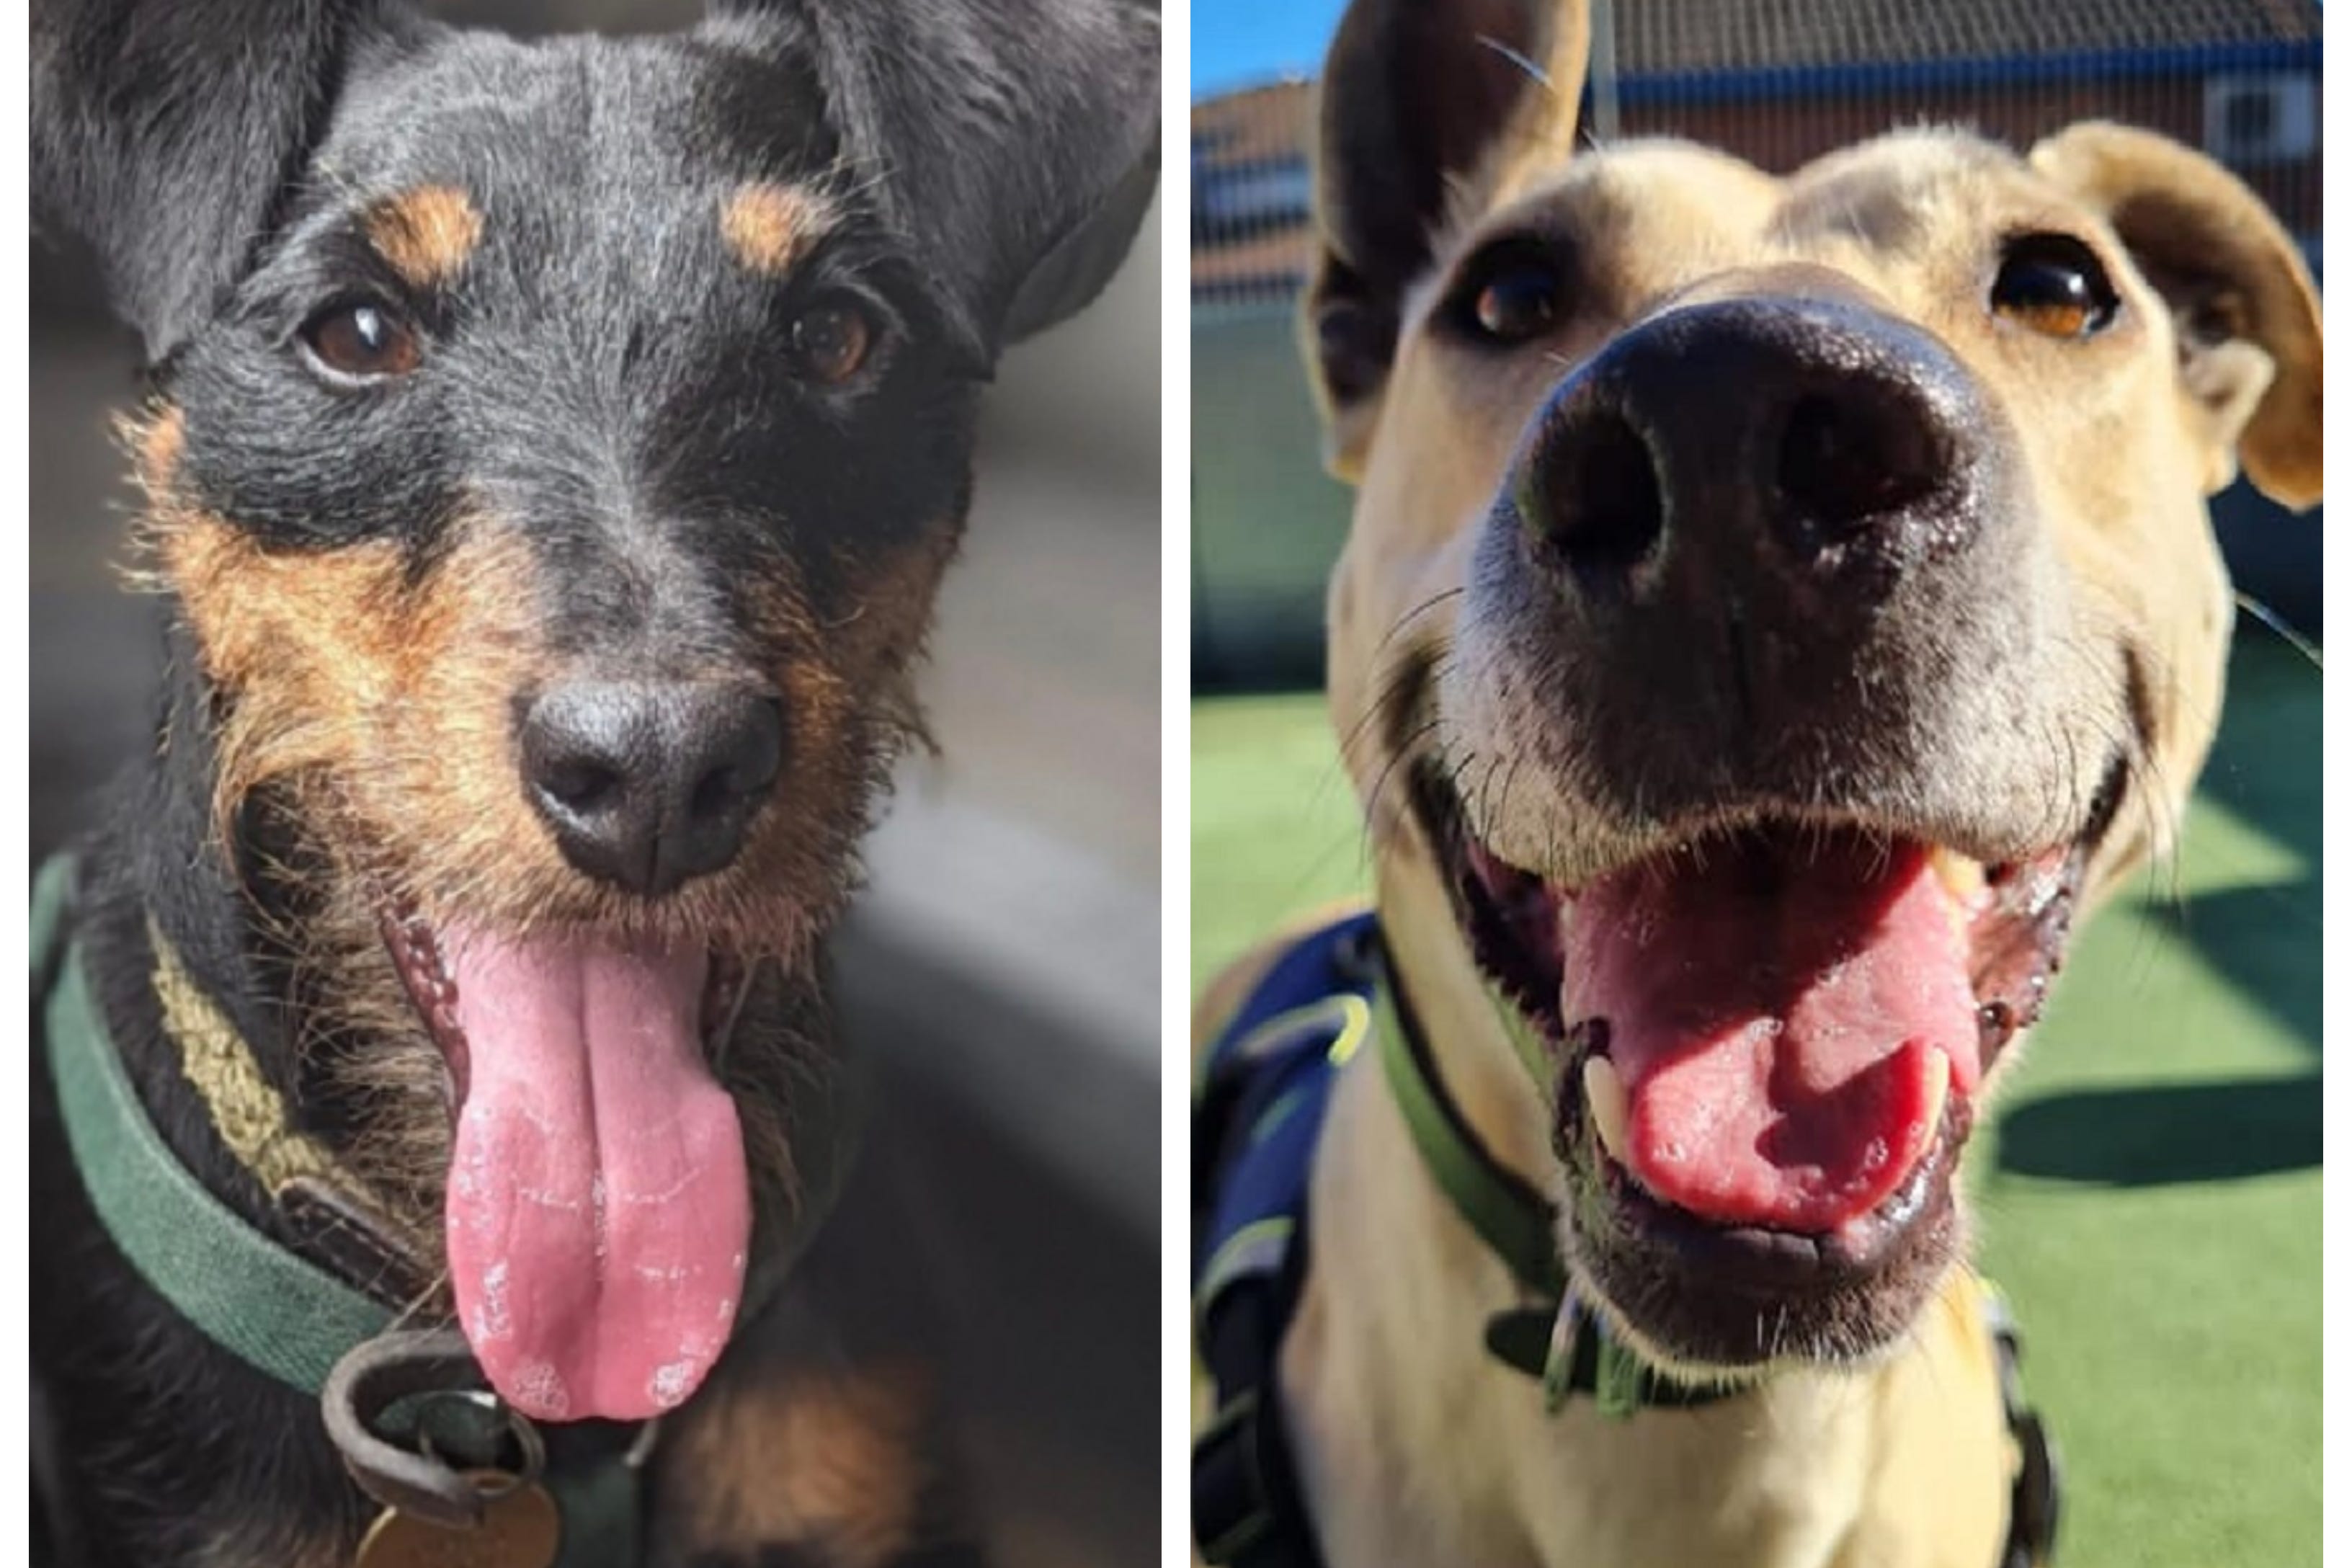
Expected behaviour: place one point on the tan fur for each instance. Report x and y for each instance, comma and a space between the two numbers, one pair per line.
769, 227
1415, 1446
2178, 210
1553, 60
426, 235
829, 1461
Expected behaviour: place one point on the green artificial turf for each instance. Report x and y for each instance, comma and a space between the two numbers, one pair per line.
2148, 1190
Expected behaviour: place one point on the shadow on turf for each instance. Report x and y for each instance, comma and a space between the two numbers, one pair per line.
2158, 1134
2265, 940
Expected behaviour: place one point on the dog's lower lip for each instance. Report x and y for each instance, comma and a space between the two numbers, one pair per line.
1765, 1259
416, 958
1781, 1272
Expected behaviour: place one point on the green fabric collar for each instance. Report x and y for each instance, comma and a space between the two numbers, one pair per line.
1510, 1216
278, 1312
1552, 1338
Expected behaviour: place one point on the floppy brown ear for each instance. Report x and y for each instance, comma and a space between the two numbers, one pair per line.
1421, 105
2243, 302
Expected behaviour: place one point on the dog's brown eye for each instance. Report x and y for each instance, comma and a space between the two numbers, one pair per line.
1517, 300
831, 341
364, 341
1511, 292
2055, 285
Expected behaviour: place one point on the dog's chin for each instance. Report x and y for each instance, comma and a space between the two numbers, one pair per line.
1710, 1303
1768, 1038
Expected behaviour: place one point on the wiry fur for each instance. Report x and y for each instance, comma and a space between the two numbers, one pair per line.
599, 456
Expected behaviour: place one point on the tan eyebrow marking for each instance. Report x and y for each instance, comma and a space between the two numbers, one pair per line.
425, 235
768, 226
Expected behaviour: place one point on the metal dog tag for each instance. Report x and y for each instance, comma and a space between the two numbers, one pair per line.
520, 1529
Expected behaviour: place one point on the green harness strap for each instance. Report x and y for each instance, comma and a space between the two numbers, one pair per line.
276, 1311
1511, 1217
1567, 1349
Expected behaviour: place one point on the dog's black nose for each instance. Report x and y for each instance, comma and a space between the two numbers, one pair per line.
1799, 454
649, 786
1746, 538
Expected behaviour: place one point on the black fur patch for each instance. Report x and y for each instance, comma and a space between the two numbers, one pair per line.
597, 391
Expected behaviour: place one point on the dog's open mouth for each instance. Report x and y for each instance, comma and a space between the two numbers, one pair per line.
599, 1210
1769, 1038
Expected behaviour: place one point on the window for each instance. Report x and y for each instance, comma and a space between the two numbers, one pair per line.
2265, 118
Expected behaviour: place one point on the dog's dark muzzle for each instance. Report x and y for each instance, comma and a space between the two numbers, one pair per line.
1748, 527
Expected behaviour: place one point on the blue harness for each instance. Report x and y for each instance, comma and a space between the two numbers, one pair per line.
1258, 1110
1257, 1113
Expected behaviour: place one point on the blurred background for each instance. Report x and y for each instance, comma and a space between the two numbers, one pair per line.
2149, 1192
1002, 971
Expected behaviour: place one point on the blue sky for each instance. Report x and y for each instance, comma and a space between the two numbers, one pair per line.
1237, 42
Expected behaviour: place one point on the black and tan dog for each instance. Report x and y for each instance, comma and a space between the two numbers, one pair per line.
554, 451
1775, 608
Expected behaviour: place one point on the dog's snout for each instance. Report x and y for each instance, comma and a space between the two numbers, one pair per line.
1770, 444
1749, 529
649, 786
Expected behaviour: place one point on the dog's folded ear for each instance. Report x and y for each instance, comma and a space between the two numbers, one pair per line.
1015, 143
2242, 298
1421, 110
1076, 268
166, 133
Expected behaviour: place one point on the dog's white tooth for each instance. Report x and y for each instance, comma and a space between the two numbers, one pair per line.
1962, 878
1604, 1098
1939, 1087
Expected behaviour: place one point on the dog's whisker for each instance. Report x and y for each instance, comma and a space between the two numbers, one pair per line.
2278, 625
1406, 680
1525, 67
1398, 626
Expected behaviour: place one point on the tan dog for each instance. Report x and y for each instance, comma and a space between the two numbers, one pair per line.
1774, 606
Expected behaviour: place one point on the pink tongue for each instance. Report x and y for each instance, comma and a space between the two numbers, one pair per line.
1775, 1013
598, 1210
